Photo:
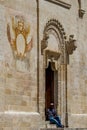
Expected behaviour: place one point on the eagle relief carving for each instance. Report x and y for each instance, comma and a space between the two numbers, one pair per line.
19, 37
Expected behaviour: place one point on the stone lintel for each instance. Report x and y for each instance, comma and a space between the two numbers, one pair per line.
52, 54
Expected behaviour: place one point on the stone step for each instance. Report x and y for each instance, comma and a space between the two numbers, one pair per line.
63, 128
49, 126
52, 129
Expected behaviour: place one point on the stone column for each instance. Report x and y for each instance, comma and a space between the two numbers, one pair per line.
62, 94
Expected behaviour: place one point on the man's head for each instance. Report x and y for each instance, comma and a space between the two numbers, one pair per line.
51, 105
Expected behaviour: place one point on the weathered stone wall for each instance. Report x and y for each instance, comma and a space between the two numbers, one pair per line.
18, 77
77, 73
76, 70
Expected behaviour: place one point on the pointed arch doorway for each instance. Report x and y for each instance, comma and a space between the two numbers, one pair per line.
53, 93
54, 59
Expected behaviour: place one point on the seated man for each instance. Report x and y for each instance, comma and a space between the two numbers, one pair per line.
53, 117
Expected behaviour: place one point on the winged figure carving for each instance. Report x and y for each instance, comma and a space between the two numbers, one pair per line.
19, 38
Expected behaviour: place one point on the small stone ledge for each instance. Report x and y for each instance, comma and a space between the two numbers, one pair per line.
48, 125
18, 120
63, 129
19, 113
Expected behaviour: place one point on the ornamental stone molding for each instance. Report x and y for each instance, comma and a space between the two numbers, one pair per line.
55, 27
67, 45
51, 56
58, 59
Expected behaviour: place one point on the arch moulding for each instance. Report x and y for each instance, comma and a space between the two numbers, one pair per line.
61, 57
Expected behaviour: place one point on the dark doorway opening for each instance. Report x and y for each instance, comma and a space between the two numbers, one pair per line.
49, 86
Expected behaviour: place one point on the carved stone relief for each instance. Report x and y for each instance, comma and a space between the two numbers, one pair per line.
66, 47
54, 26
53, 58
59, 60
70, 47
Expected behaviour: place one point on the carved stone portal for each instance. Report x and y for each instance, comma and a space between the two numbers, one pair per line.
58, 60
66, 46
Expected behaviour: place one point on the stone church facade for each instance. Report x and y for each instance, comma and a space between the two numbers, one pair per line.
42, 60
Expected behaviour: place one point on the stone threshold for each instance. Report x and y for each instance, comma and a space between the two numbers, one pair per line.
63, 128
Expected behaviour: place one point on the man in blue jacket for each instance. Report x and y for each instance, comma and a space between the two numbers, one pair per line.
53, 117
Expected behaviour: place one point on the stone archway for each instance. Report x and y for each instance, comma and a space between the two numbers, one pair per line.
59, 59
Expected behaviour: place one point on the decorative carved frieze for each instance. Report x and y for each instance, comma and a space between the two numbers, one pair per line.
60, 3
55, 27
52, 55
66, 46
